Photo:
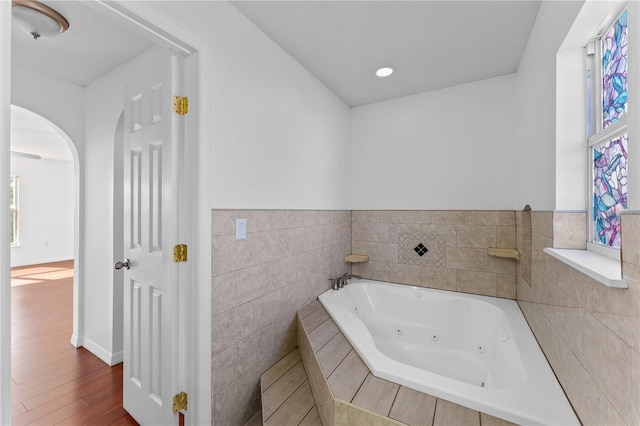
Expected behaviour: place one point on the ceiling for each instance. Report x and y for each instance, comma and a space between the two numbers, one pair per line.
91, 48
433, 44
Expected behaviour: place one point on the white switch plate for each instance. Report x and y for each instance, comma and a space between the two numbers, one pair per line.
241, 229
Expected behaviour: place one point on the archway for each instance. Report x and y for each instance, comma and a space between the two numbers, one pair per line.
50, 160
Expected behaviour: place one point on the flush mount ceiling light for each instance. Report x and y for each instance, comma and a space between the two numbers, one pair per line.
38, 19
385, 71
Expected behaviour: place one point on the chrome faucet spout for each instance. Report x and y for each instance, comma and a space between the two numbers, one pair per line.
342, 280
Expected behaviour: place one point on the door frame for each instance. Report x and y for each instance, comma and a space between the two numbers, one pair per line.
5, 251
195, 349
194, 352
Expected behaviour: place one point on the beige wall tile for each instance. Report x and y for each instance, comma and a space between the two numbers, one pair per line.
231, 326
414, 216
477, 282
272, 245
449, 230
570, 230
635, 388
451, 217
542, 223
413, 408
476, 236
294, 409
376, 395
631, 238
608, 360
378, 232
230, 255
322, 334
491, 217
587, 331
269, 377
347, 378
319, 387
450, 414
360, 247
311, 419
440, 278
265, 290
506, 286
505, 236
383, 252
350, 415
624, 326
315, 318
500, 265
225, 367
360, 216
385, 216
333, 353
372, 270
470, 259
405, 274
276, 394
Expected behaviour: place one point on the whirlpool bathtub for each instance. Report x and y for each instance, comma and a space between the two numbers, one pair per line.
475, 351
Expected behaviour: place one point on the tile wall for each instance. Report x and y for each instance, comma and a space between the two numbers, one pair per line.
456, 241
589, 333
258, 284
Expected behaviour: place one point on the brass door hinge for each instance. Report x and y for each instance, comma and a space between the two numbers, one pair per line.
180, 253
181, 105
180, 402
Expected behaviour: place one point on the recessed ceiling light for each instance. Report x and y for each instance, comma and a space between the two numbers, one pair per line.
385, 71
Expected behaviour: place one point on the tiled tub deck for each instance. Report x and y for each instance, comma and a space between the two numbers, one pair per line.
331, 384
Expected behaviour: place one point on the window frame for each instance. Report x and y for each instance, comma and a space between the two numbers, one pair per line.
14, 203
596, 135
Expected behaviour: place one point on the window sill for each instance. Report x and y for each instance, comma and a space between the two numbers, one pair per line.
601, 268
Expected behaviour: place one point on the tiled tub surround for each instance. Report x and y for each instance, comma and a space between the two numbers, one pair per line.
457, 243
346, 393
589, 332
258, 284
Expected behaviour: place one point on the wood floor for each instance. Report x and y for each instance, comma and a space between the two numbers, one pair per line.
53, 382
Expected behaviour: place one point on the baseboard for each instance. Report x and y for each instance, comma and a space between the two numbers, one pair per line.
106, 356
40, 261
76, 340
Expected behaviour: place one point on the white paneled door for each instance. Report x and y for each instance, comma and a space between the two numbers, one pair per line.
153, 137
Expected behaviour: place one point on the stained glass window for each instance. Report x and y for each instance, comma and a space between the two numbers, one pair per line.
609, 190
614, 71
607, 132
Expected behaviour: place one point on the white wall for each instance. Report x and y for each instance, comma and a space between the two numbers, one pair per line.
103, 228
288, 133
446, 149
41, 94
280, 138
536, 106
46, 201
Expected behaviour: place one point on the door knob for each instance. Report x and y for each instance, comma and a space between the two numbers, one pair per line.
120, 265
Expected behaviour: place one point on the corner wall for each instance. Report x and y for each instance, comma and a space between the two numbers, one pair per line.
258, 284
445, 149
588, 332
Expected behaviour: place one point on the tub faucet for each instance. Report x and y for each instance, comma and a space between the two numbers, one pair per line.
343, 280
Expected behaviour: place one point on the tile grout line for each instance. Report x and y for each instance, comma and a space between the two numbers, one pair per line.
283, 402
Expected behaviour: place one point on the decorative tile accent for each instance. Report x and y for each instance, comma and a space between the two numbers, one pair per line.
420, 249
423, 249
